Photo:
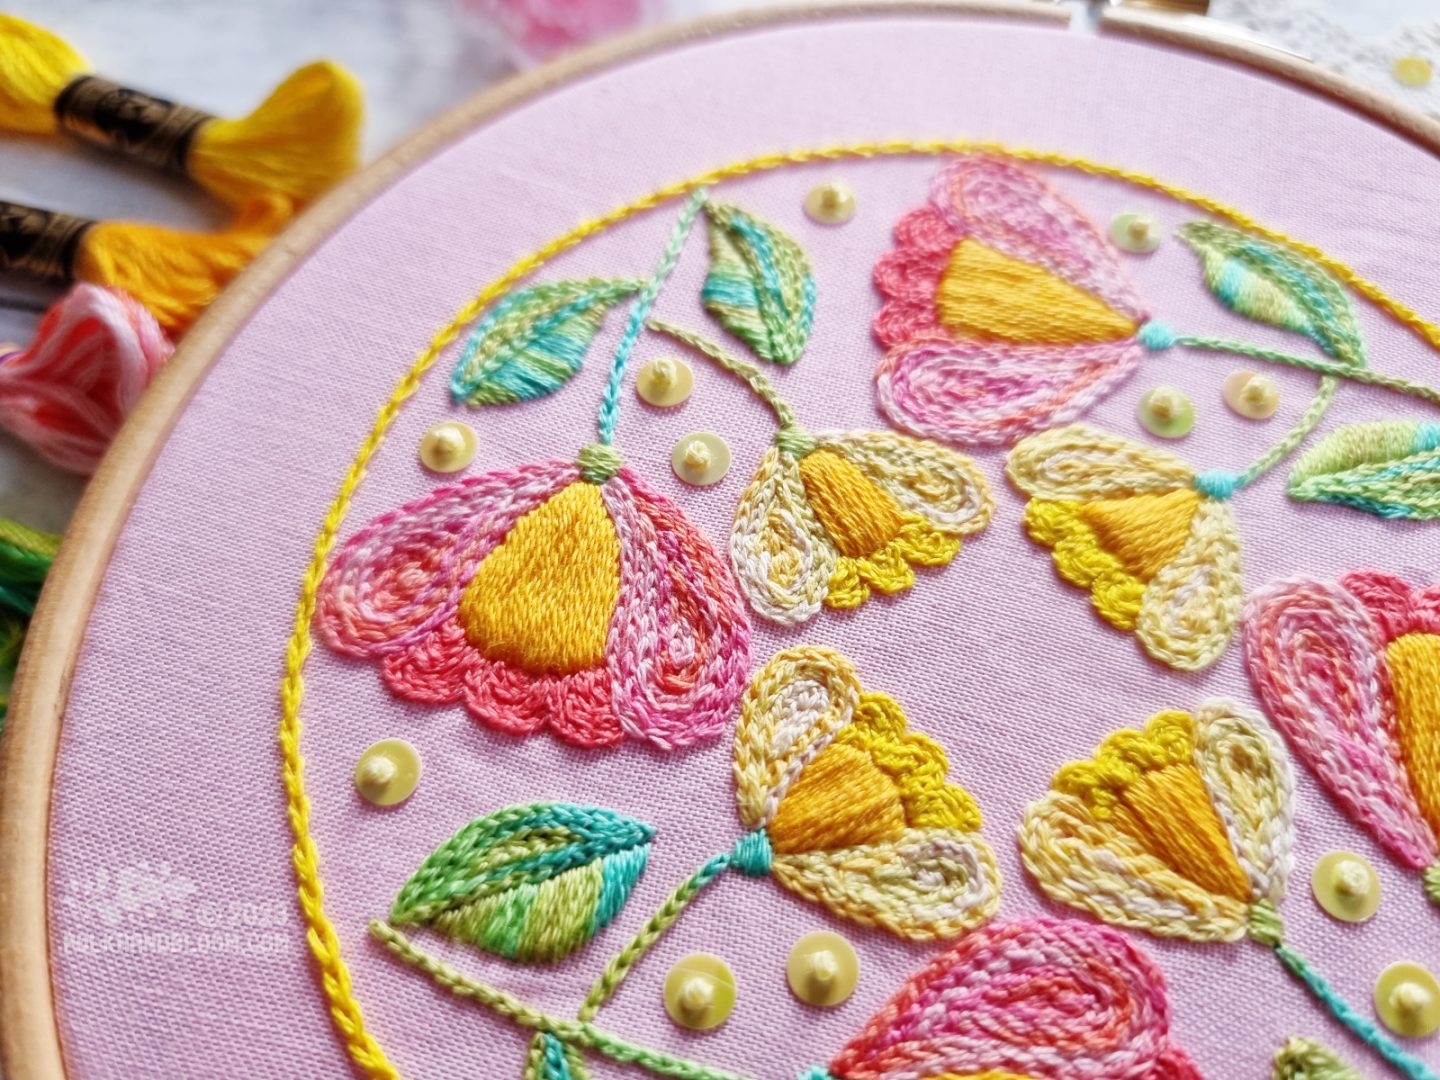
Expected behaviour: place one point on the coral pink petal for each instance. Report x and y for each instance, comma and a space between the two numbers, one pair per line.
1013, 211
581, 712
432, 669
1396, 608
506, 698
993, 394
403, 573
1317, 662
94, 353
1043, 998
909, 276
679, 642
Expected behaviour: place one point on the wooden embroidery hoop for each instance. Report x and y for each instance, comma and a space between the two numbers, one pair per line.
29, 1038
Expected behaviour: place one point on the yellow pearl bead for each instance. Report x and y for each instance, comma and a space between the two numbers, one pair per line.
1139, 234
1346, 886
448, 447
1413, 71
1253, 396
823, 969
388, 772
1407, 999
664, 382
1166, 411
702, 458
830, 204
700, 992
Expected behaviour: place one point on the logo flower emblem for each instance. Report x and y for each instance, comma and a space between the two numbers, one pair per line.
560, 595
1154, 543
1005, 311
1179, 829
849, 810
1036, 998
1349, 674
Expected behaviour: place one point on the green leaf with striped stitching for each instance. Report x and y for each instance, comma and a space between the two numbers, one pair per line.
531, 342
529, 883
1276, 284
1386, 467
759, 287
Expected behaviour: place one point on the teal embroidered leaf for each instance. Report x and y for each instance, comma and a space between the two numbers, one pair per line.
1273, 283
550, 1059
534, 340
1385, 467
759, 287
530, 883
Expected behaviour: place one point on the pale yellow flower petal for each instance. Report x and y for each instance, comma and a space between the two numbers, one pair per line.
1248, 775
1191, 606
1078, 463
1098, 868
928, 884
924, 478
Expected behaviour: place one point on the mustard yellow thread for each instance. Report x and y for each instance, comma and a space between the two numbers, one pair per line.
334, 975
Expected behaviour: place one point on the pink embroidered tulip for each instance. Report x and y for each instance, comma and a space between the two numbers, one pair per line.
560, 595
1005, 311
1049, 999
1350, 673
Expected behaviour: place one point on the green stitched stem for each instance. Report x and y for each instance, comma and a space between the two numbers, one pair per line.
640, 310
1431, 879
1323, 367
577, 1033
618, 968
747, 373
1266, 928
1319, 405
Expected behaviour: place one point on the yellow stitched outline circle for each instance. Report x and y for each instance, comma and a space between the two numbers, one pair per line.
335, 976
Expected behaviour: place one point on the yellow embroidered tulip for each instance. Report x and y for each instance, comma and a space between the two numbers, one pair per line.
1183, 829
829, 518
1154, 543
848, 809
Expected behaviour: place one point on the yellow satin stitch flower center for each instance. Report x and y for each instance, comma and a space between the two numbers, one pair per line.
1147, 785
1415, 674
543, 599
1145, 532
859, 518
869, 785
984, 294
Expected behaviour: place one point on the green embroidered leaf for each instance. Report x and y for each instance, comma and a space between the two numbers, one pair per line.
759, 286
1386, 467
530, 883
1273, 283
530, 343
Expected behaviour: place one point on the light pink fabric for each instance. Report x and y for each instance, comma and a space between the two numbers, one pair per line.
169, 813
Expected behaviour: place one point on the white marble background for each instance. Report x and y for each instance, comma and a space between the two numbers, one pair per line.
414, 58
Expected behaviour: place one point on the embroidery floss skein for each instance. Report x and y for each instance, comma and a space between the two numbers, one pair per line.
174, 273
300, 140
66, 395
25, 558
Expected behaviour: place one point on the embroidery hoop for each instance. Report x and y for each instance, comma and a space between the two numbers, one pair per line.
29, 1039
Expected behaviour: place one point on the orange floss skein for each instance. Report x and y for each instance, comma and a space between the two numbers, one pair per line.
302, 139
175, 274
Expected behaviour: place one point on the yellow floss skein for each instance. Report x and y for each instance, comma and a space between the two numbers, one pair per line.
302, 139
174, 274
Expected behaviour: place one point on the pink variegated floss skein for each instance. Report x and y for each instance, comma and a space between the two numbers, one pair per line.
66, 395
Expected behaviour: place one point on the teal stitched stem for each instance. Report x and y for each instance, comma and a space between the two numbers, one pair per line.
618, 968
749, 374
610, 404
1323, 367
1362, 1027
577, 1033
